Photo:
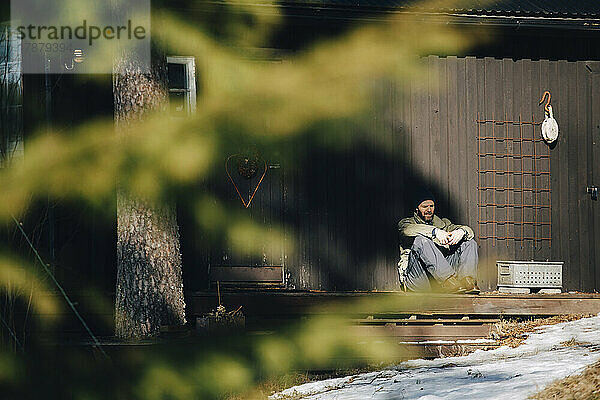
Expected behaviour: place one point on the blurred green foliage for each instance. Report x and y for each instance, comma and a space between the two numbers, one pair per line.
240, 101
209, 366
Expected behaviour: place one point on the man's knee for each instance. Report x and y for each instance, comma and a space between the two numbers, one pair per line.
471, 243
422, 241
469, 251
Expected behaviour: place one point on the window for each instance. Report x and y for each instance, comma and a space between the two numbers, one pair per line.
182, 85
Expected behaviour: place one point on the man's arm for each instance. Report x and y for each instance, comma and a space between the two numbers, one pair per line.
409, 228
450, 227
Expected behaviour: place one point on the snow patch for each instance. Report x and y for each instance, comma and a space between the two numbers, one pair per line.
502, 373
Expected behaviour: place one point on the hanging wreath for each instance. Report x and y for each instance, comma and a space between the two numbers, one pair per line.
248, 165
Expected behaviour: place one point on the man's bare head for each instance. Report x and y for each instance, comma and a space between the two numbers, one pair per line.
426, 209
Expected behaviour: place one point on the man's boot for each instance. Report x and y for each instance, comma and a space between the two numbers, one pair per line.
470, 284
453, 285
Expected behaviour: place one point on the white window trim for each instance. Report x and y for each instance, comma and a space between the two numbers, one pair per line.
190, 69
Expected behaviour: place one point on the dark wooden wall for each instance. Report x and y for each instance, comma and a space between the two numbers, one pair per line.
341, 195
461, 90
443, 118
342, 198
76, 239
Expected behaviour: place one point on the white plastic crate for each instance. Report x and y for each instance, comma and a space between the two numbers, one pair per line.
529, 274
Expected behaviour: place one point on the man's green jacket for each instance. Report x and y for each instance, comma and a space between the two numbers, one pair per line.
412, 226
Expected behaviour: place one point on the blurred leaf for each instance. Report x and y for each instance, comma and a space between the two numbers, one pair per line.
164, 382
18, 278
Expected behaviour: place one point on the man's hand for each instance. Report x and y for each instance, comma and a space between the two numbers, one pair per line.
443, 236
455, 236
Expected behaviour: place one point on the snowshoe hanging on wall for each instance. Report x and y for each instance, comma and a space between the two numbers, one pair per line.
549, 126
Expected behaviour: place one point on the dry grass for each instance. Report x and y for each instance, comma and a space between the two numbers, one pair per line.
572, 343
273, 385
512, 333
583, 386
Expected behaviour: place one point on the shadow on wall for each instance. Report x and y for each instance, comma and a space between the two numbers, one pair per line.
349, 204
340, 200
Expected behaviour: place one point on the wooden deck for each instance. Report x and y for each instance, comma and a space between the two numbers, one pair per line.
278, 303
410, 319
414, 321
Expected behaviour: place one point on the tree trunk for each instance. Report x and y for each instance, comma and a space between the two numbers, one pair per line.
149, 290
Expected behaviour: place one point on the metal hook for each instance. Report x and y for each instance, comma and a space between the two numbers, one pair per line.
547, 102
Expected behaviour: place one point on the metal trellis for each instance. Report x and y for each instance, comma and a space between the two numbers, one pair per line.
513, 182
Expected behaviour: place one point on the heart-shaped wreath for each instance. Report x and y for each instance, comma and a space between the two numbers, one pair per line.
247, 167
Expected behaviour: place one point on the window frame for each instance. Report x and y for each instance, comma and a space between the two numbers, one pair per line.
189, 63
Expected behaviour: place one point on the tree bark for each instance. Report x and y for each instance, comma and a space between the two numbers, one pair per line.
149, 289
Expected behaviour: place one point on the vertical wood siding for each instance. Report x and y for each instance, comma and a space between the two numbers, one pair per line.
443, 123
341, 200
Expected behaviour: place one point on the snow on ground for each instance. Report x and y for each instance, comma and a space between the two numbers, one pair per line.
502, 373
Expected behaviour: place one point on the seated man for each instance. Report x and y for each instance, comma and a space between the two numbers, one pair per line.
433, 246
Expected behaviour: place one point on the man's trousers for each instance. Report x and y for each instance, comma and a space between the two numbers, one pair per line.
428, 259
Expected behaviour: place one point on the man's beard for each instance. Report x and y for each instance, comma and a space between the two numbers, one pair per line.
426, 218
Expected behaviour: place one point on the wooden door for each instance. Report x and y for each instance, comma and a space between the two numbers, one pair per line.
254, 254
